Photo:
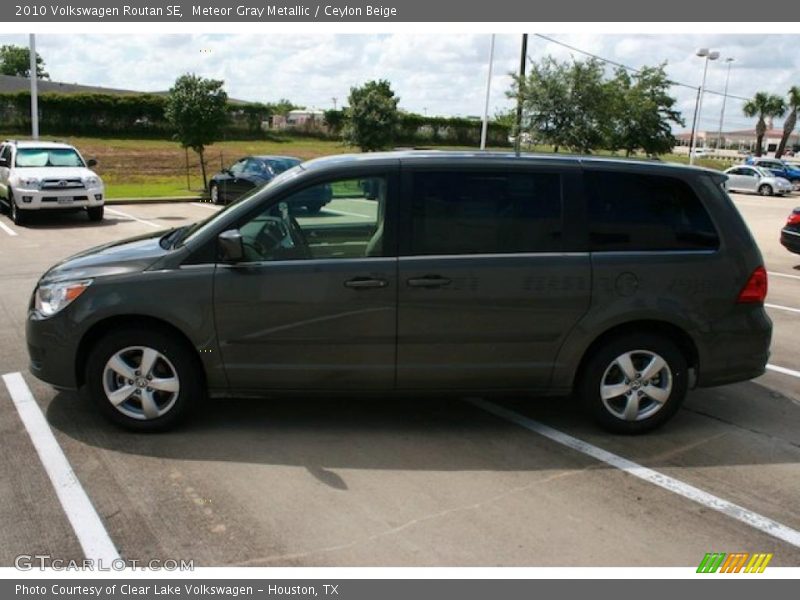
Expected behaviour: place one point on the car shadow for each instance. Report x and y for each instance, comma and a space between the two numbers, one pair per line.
444, 434
69, 219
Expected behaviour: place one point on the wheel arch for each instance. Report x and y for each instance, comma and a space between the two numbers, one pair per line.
102, 327
673, 332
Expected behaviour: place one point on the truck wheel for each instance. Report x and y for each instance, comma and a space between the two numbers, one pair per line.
634, 383
18, 215
143, 379
95, 213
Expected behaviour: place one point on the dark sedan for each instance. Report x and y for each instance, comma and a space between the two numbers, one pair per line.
790, 234
254, 171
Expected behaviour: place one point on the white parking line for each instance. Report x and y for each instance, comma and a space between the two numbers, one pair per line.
7, 229
780, 307
748, 517
783, 370
208, 206
126, 215
774, 274
85, 521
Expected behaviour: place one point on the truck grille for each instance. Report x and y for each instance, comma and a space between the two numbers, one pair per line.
62, 184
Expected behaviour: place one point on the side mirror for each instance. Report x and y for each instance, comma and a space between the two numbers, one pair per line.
3, 162
230, 242
91, 163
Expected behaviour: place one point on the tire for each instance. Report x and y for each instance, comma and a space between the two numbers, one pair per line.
765, 190
18, 216
112, 366
314, 207
214, 196
95, 213
654, 403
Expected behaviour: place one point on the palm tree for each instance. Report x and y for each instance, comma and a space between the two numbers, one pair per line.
791, 119
764, 106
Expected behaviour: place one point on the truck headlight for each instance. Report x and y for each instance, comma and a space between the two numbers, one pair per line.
54, 297
91, 181
28, 182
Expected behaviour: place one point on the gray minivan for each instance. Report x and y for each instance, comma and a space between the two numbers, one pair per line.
623, 282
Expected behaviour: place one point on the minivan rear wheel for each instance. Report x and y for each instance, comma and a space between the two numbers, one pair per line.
634, 383
143, 380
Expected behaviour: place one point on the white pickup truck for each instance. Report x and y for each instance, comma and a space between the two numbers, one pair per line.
38, 175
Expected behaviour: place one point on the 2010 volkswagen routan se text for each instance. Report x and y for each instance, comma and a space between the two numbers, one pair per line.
625, 283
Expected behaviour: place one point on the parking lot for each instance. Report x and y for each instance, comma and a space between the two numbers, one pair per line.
433, 482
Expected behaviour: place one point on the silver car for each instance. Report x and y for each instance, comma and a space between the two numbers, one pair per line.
746, 178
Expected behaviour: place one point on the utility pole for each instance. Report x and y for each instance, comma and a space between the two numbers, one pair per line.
485, 125
34, 90
522, 61
724, 100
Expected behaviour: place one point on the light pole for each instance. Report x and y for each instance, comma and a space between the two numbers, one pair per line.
708, 55
724, 99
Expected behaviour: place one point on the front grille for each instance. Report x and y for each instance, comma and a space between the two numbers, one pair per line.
62, 184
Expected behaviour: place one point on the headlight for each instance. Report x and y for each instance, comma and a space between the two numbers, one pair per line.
28, 182
53, 297
91, 181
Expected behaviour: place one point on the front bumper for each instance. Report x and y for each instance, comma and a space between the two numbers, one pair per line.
36, 199
52, 349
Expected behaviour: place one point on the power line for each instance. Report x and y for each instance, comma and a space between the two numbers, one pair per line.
628, 67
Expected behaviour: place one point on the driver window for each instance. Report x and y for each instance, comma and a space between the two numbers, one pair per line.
338, 219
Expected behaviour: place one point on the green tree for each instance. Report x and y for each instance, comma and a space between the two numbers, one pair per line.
764, 106
565, 103
16, 60
282, 107
791, 120
334, 119
641, 111
196, 109
372, 116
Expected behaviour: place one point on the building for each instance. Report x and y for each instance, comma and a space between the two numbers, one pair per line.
740, 139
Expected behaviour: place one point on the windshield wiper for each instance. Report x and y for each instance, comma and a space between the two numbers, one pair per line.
172, 237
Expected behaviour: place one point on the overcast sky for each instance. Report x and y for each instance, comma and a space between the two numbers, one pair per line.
434, 74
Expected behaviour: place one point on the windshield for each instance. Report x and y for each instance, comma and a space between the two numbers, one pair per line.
200, 225
48, 157
279, 165
763, 172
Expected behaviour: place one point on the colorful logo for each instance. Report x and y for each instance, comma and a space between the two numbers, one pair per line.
737, 562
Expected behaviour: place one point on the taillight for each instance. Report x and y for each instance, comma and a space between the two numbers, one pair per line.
794, 218
755, 290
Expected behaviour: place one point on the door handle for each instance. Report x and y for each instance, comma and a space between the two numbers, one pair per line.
428, 281
365, 282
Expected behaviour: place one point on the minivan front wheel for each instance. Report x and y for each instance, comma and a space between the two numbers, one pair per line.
634, 383
143, 380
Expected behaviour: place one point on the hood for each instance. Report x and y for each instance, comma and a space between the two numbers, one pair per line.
127, 256
54, 172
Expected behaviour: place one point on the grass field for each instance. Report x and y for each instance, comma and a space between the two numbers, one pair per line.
153, 168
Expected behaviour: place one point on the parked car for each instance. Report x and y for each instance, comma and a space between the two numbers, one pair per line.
756, 180
779, 168
625, 283
790, 234
251, 172
37, 176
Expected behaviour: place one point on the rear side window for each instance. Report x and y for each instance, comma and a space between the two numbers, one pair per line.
486, 212
629, 211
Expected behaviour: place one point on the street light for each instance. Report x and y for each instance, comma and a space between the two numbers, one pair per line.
724, 99
708, 55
